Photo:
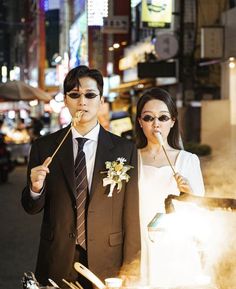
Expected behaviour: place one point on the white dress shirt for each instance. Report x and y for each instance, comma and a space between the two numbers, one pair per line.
90, 148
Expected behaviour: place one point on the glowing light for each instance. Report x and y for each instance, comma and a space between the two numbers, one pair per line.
4, 70
12, 74
231, 65
16, 70
116, 45
56, 106
58, 59
33, 102
4, 73
11, 114
59, 97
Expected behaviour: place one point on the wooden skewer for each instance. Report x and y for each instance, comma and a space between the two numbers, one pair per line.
60, 144
78, 117
67, 283
74, 286
160, 139
70, 284
168, 160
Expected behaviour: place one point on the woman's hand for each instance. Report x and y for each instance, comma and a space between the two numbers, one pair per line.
183, 184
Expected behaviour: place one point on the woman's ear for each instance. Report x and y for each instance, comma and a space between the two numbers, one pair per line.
140, 122
172, 122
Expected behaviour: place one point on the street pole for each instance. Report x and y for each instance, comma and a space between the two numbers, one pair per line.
181, 50
41, 45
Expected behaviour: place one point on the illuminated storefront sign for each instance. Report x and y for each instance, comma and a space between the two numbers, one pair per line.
156, 13
79, 42
97, 9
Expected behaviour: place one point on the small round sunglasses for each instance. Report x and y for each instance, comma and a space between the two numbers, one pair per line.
150, 118
88, 95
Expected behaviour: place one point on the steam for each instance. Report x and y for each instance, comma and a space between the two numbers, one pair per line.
219, 173
213, 230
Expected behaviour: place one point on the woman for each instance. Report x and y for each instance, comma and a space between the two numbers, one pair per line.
157, 113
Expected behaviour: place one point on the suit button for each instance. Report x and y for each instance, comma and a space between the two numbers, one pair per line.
72, 235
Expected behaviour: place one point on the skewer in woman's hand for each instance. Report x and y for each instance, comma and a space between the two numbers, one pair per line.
183, 184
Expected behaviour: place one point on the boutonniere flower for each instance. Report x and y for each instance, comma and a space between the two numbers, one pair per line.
116, 173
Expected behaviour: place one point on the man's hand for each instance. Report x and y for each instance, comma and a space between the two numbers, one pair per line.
38, 175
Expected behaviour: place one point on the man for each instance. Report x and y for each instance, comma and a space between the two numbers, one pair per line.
112, 236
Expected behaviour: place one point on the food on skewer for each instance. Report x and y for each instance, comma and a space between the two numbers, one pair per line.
77, 117
159, 138
75, 121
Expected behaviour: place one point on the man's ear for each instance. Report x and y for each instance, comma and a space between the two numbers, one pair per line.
102, 100
65, 100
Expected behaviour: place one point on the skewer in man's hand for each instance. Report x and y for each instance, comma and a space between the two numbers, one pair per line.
38, 175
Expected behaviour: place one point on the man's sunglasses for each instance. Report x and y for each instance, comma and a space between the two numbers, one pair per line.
150, 118
88, 95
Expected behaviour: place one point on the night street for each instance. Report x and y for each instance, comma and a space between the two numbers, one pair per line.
19, 233
98, 81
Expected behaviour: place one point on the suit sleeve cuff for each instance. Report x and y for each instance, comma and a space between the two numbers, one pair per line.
36, 196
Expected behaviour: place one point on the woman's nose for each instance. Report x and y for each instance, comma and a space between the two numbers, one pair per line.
155, 122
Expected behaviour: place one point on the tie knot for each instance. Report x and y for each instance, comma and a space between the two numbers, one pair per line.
81, 141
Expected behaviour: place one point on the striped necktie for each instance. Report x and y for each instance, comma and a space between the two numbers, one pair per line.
81, 183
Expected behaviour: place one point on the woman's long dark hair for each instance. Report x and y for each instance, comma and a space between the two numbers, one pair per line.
173, 138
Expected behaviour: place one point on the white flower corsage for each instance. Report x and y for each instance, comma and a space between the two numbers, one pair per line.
116, 173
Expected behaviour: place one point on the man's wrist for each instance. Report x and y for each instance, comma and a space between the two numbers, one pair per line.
36, 195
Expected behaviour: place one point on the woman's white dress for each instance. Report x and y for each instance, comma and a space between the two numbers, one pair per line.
160, 260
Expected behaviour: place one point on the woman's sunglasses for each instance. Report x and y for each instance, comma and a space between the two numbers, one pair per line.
150, 118
88, 95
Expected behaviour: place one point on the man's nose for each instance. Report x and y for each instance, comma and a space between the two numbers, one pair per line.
82, 99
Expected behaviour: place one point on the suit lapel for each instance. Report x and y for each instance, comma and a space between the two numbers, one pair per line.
103, 154
66, 159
